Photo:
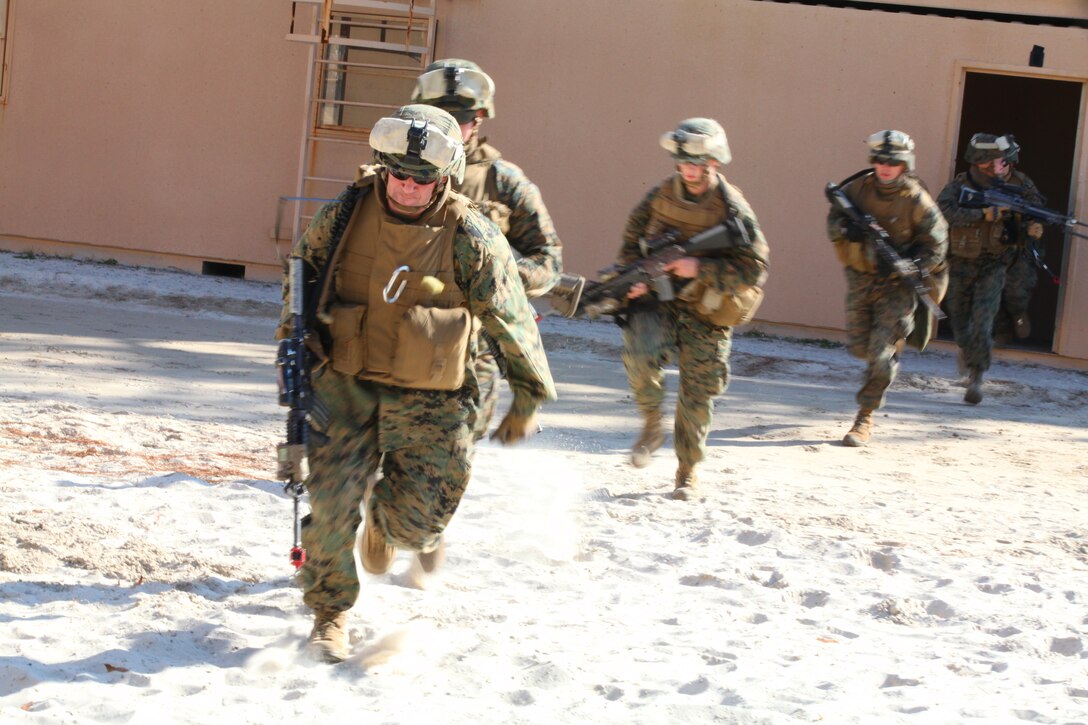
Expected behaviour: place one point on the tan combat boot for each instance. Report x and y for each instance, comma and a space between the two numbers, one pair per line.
974, 387
653, 435
329, 638
374, 551
862, 431
686, 483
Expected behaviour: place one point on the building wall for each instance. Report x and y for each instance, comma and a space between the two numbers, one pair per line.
163, 132
584, 90
142, 128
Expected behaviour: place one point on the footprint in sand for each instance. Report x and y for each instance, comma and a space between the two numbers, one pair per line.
886, 561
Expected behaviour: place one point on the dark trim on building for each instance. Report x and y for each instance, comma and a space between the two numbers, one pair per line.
1056, 20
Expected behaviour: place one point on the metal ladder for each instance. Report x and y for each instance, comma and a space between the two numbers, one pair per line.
364, 58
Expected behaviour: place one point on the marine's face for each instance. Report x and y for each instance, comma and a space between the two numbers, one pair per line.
886, 173
407, 194
469, 127
696, 176
995, 168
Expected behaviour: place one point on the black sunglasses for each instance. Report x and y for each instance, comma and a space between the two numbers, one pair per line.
419, 177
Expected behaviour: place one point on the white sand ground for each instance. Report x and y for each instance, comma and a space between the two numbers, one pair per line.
938, 576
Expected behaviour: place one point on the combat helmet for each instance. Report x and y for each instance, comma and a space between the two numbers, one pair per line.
421, 141
457, 86
697, 139
985, 147
891, 147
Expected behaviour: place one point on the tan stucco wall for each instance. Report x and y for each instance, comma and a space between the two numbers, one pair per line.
169, 127
163, 132
584, 90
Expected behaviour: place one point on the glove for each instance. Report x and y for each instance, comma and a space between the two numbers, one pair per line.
901, 268
1034, 230
852, 231
994, 213
517, 425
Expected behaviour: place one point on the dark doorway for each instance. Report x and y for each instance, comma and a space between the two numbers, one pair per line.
1044, 115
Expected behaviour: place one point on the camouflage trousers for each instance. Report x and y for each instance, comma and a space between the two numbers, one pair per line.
649, 340
489, 379
1020, 280
879, 317
420, 440
974, 296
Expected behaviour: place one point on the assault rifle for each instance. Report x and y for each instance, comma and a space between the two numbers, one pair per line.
609, 295
293, 368
1012, 197
878, 237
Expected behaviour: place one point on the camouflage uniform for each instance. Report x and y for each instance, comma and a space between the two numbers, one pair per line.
880, 307
977, 277
654, 330
1020, 281
513, 202
503, 193
420, 439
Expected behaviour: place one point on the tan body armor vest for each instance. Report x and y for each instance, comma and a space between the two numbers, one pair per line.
385, 322
670, 209
482, 187
983, 237
894, 211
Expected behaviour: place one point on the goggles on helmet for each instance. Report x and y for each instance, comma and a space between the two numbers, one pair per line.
890, 144
462, 86
689, 145
1001, 143
419, 144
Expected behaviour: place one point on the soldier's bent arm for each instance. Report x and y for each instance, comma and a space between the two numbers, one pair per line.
954, 214
744, 265
532, 232
486, 273
930, 243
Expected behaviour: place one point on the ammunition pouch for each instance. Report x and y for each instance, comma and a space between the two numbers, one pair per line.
968, 242
349, 339
855, 255
723, 309
432, 348
430, 353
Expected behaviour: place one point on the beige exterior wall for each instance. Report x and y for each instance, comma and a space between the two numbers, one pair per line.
151, 126
163, 132
584, 90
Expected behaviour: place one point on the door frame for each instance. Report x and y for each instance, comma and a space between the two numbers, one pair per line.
1065, 341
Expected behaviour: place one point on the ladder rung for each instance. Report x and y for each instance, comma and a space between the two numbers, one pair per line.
327, 179
377, 45
394, 7
330, 139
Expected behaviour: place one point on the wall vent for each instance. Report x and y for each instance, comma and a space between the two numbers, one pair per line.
222, 269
